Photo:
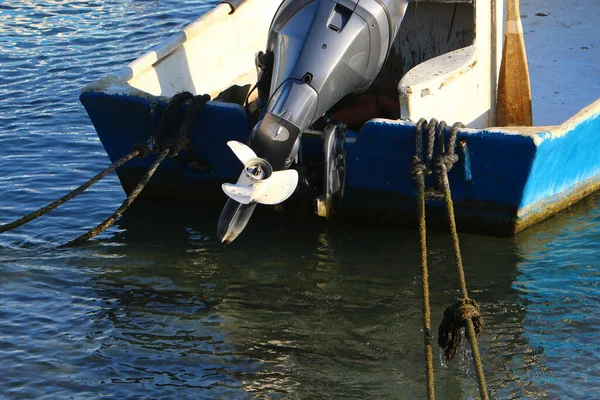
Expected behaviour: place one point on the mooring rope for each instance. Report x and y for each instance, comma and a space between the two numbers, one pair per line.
469, 310
38, 213
168, 122
419, 171
124, 206
171, 147
167, 147
464, 313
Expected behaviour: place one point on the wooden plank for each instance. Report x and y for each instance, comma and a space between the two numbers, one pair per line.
514, 90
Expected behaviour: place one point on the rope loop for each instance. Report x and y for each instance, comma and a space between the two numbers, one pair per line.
170, 117
168, 120
419, 137
453, 135
440, 128
431, 130
446, 155
182, 140
169, 147
418, 165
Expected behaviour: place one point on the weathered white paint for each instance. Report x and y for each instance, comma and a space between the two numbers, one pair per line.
551, 132
218, 49
562, 50
209, 55
436, 89
537, 133
428, 30
460, 85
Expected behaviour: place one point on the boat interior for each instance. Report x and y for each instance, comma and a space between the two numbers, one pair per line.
443, 63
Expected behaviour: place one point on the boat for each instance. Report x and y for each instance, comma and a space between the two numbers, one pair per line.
444, 63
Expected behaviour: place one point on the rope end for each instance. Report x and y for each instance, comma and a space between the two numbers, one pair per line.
451, 332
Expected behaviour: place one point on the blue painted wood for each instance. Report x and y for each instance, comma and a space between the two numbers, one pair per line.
564, 164
574, 157
379, 172
123, 121
512, 176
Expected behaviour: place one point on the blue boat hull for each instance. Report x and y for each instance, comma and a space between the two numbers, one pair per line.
504, 181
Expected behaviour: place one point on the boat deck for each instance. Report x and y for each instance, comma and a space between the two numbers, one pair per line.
563, 51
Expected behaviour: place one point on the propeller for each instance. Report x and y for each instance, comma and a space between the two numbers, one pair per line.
258, 183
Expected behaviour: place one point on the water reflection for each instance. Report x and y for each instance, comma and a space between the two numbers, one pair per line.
299, 309
312, 308
558, 280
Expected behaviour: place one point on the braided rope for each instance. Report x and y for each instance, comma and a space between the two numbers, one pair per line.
128, 201
419, 171
472, 335
38, 213
171, 147
464, 313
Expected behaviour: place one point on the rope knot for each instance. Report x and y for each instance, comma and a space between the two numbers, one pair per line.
446, 160
418, 166
175, 145
152, 145
451, 332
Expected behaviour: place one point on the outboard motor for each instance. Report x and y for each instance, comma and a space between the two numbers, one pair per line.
322, 51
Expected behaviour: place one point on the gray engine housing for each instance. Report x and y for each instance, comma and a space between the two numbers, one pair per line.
342, 44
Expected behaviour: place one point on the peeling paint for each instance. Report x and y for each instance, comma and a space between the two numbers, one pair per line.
551, 205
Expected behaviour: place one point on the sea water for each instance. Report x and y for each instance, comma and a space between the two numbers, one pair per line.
156, 308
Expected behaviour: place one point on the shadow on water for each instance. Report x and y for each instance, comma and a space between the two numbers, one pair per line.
298, 308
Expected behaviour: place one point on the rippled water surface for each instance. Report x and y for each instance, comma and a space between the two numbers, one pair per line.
155, 308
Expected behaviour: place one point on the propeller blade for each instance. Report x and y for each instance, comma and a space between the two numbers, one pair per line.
274, 190
233, 220
241, 151
277, 188
240, 193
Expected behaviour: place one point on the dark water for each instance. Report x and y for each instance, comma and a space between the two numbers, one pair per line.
155, 308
